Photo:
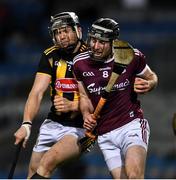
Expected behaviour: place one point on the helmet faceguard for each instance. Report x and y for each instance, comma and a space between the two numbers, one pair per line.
104, 29
62, 20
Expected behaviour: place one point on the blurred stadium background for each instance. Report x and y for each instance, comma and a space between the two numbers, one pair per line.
146, 24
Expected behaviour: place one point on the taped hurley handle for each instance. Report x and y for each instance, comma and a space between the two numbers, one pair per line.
123, 55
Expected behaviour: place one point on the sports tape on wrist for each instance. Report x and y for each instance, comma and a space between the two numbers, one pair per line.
27, 122
28, 129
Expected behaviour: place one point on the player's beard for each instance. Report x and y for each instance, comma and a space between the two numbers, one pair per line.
70, 48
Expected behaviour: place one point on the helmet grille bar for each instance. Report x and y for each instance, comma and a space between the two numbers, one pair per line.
102, 28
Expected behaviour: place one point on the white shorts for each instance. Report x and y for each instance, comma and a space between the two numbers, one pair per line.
51, 132
114, 144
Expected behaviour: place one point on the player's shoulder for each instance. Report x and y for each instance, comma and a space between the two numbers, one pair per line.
138, 53
81, 56
51, 50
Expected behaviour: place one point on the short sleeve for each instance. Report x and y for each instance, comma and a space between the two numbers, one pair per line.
140, 62
44, 65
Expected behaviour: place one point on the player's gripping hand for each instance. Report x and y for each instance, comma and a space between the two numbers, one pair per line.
141, 86
64, 105
89, 122
23, 133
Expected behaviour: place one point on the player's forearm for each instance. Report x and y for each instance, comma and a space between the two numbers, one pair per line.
85, 105
153, 80
32, 106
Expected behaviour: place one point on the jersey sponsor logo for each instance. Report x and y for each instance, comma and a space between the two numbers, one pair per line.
86, 74
120, 86
93, 89
66, 85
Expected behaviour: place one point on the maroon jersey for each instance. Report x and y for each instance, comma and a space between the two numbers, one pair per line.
122, 105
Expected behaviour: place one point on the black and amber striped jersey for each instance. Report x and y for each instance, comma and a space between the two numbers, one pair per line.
58, 63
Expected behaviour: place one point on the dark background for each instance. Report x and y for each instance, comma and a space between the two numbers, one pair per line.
148, 25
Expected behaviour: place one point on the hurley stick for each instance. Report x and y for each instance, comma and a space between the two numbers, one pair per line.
14, 163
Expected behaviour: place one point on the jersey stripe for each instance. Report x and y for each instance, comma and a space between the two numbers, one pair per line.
46, 51
76, 96
81, 56
83, 48
60, 72
49, 50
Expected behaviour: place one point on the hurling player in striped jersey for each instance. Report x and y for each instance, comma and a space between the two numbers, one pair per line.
58, 136
123, 132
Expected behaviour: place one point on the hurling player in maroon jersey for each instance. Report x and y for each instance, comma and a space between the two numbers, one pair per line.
123, 132
59, 134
